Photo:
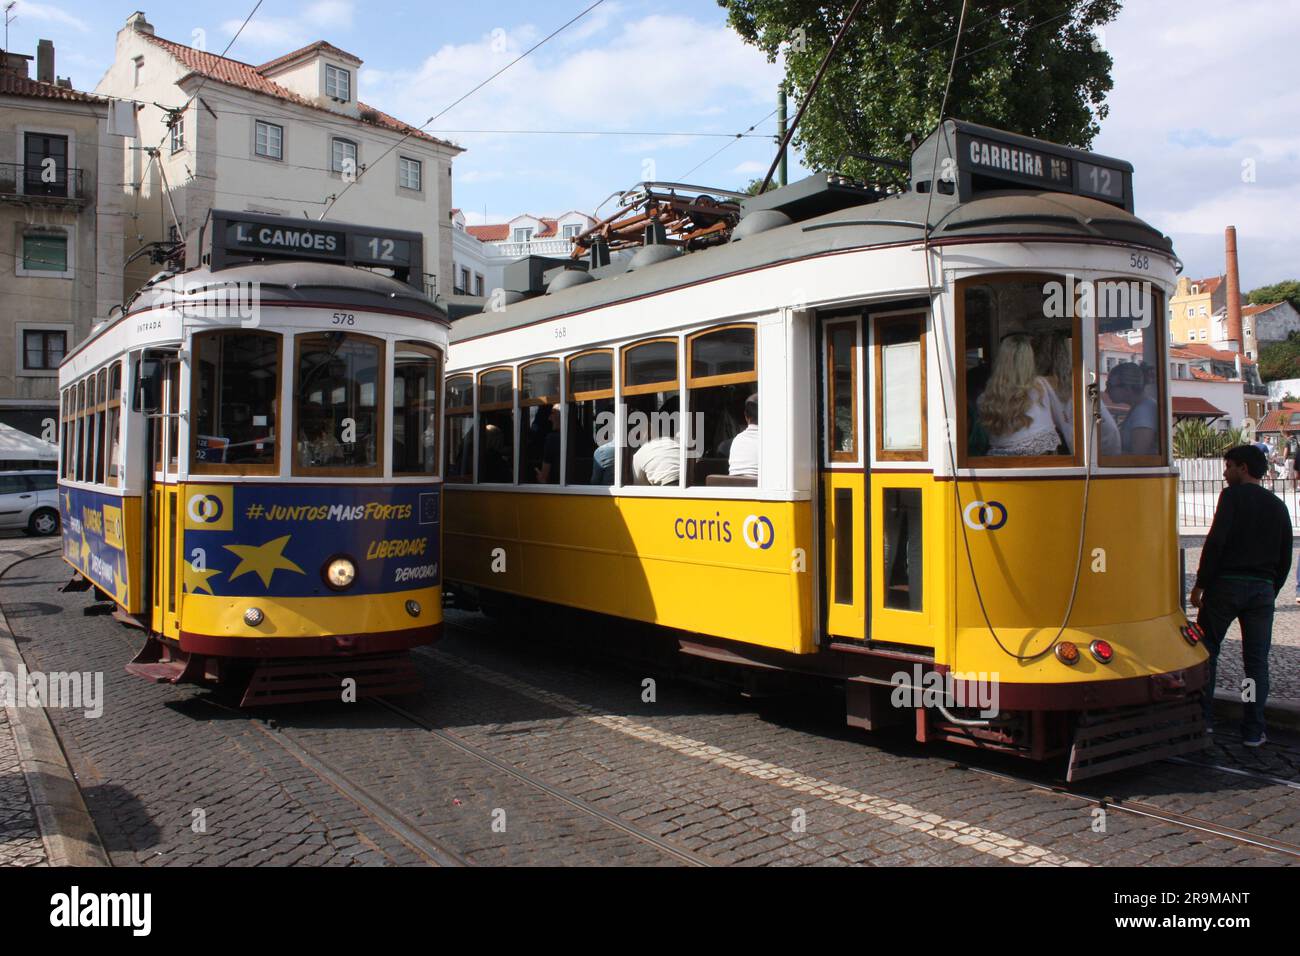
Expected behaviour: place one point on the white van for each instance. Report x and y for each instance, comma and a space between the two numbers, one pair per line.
29, 501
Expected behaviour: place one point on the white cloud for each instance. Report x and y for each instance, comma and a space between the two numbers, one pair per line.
282, 35
750, 167
46, 13
1201, 89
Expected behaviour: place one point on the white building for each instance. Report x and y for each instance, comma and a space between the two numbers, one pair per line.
1270, 323
480, 253
279, 138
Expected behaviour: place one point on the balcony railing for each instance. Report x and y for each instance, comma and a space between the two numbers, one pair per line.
535, 247
36, 184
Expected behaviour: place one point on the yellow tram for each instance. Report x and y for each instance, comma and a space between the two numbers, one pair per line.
249, 459
994, 570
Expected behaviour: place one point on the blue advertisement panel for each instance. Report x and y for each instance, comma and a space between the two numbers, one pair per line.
253, 539
94, 537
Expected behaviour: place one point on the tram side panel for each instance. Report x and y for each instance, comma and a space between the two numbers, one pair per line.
101, 535
728, 568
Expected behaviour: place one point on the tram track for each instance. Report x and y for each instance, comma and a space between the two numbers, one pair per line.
1145, 810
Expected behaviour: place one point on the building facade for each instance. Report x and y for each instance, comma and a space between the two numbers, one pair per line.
288, 137
60, 232
481, 253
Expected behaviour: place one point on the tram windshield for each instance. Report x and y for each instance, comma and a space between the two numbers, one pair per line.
1018, 382
236, 387
337, 391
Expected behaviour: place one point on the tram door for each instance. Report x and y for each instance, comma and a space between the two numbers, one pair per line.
844, 483
164, 502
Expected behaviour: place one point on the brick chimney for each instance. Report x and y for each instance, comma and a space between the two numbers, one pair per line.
1232, 324
45, 61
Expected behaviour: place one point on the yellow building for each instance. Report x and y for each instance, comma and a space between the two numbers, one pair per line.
1192, 309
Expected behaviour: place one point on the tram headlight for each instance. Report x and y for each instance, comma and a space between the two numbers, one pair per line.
254, 616
413, 608
1067, 652
340, 573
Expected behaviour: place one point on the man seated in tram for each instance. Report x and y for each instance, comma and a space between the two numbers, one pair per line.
742, 459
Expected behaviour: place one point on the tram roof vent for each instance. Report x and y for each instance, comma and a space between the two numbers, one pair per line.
813, 196
760, 220
528, 275
567, 279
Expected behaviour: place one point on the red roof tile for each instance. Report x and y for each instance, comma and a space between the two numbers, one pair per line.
1207, 286
1256, 309
496, 232
1191, 406
1207, 351
11, 84
319, 46
1207, 376
235, 73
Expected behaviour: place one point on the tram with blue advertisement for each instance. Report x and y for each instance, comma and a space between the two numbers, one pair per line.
249, 460
953, 494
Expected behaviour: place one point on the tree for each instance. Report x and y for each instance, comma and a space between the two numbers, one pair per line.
1034, 68
1279, 360
1286, 291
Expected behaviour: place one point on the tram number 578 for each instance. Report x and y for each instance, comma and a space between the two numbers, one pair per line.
344, 318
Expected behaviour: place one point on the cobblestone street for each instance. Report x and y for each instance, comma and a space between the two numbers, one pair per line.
521, 752
20, 840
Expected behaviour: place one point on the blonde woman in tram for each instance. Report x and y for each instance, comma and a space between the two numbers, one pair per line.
1019, 409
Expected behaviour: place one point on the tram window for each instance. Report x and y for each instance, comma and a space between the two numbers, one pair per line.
101, 416
496, 428
65, 422
723, 386
113, 463
416, 376
235, 380
900, 387
1132, 427
339, 381
460, 429
591, 419
652, 441
173, 416
1017, 380
903, 562
80, 464
842, 389
539, 423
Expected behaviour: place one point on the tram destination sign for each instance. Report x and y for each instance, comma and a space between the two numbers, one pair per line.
239, 237
978, 159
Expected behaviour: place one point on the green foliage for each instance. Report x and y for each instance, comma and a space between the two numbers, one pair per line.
1193, 438
1279, 360
1286, 291
1032, 68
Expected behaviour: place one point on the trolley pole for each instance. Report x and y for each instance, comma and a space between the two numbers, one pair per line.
780, 133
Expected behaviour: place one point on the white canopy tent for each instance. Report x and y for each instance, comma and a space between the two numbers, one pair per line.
18, 446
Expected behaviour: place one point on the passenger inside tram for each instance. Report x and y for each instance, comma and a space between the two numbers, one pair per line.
742, 457
1126, 389
1019, 409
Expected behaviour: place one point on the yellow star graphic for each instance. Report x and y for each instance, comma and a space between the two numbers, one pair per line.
85, 551
119, 586
264, 559
196, 579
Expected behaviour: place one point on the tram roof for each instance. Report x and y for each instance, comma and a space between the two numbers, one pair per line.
1011, 215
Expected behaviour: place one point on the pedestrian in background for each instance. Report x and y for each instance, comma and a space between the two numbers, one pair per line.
1244, 563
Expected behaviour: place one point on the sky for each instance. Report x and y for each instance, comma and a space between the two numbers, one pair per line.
1205, 103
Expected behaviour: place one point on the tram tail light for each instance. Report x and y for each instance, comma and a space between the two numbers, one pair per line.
1102, 651
1192, 633
1067, 652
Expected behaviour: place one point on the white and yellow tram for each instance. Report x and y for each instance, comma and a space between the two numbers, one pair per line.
891, 539
249, 459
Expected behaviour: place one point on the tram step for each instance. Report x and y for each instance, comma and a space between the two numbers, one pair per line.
1107, 741
160, 672
299, 681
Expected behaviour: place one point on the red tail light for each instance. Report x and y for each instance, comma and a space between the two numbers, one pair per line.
1102, 651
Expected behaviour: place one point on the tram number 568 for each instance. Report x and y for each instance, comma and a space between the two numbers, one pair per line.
344, 318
